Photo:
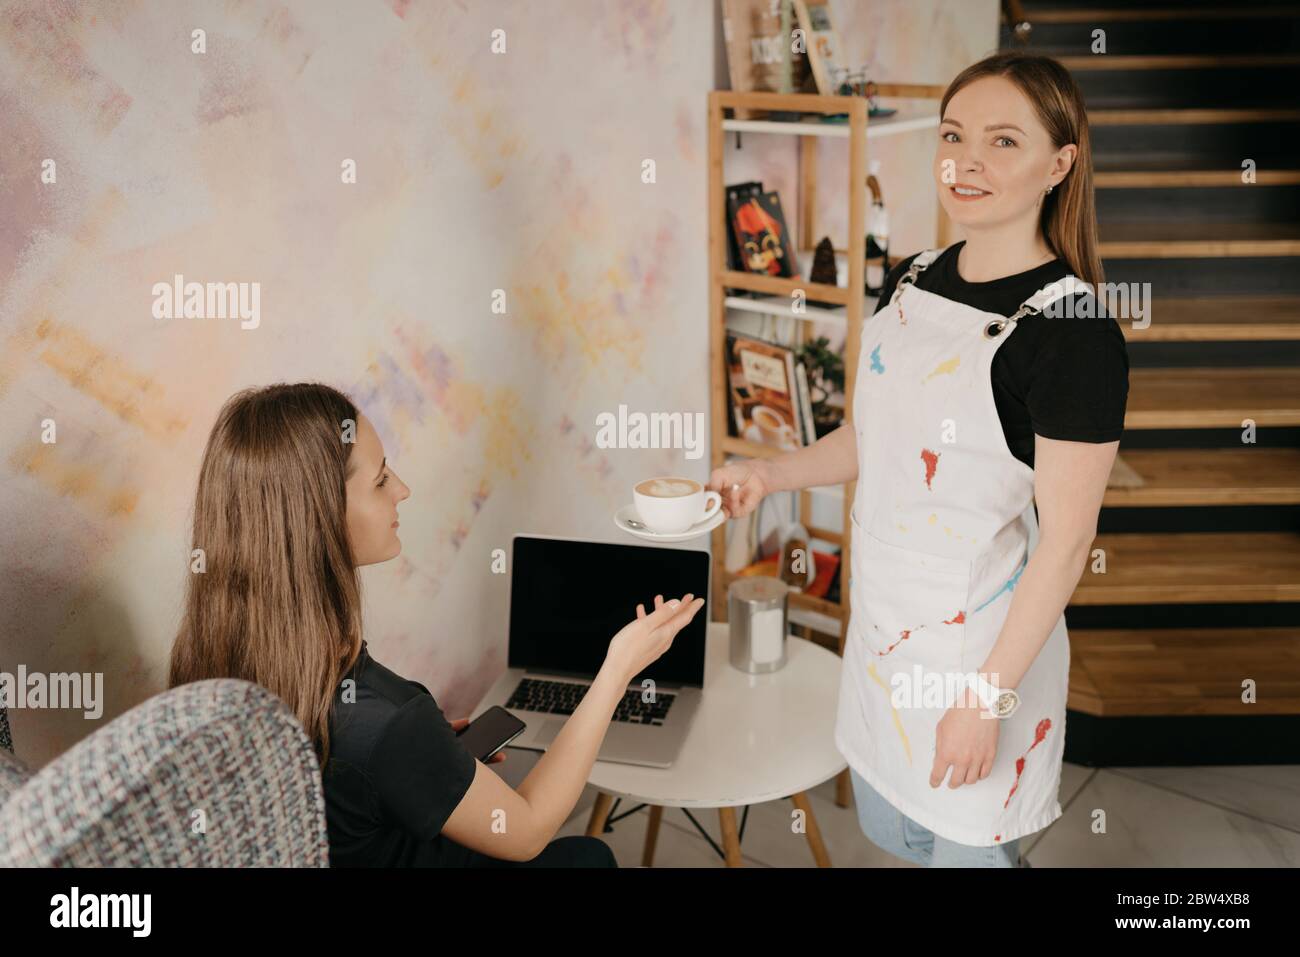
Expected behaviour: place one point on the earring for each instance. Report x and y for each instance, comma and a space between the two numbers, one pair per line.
1048, 190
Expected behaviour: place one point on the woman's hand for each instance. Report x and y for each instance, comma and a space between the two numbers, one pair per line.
966, 741
742, 486
496, 758
644, 639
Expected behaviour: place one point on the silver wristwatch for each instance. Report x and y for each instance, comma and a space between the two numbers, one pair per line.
998, 702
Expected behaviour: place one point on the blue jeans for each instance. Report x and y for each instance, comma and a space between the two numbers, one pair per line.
893, 831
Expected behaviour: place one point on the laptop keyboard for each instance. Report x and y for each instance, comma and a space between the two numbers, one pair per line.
563, 697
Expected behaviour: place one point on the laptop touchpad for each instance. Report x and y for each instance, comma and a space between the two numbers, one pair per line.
549, 732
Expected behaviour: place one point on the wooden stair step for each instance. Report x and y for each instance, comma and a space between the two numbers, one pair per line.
1178, 61
1184, 671
1199, 398
1167, 116
1226, 319
1180, 477
1193, 567
1197, 240
1172, 12
1127, 164
1190, 178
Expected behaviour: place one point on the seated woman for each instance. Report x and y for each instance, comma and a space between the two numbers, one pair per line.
294, 494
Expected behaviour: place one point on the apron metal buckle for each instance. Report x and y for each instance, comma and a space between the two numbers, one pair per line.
994, 328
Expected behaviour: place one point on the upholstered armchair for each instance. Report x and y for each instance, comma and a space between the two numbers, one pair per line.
211, 774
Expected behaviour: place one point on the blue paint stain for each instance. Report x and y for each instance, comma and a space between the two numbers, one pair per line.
875, 360
1009, 585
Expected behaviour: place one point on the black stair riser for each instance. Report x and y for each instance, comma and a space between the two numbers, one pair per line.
1269, 437
1199, 204
1207, 87
1176, 519
1268, 614
1180, 142
1181, 741
1151, 37
1211, 355
1208, 276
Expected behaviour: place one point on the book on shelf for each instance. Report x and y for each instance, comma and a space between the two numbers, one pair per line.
762, 236
805, 403
737, 195
763, 392
761, 54
825, 54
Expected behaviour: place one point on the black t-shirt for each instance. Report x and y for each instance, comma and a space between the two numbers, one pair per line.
1061, 375
396, 772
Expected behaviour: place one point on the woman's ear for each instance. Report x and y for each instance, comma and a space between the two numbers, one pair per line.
1065, 158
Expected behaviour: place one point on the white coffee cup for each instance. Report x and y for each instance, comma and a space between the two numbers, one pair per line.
669, 504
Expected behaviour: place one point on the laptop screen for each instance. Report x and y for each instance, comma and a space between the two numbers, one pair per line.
568, 599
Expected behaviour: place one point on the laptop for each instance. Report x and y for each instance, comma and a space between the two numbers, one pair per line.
568, 598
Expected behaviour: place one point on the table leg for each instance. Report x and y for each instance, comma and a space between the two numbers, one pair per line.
599, 814
730, 836
813, 832
843, 789
651, 835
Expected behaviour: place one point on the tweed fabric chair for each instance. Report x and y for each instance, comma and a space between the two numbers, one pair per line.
211, 774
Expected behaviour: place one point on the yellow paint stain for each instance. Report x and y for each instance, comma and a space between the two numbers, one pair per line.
466, 404
479, 137
585, 322
80, 260
898, 722
46, 463
933, 518
132, 396
902, 528
944, 367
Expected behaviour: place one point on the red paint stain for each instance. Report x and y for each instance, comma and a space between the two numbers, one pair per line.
903, 636
957, 619
997, 837
1040, 732
931, 460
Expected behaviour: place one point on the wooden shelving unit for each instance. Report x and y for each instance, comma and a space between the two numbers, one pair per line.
826, 617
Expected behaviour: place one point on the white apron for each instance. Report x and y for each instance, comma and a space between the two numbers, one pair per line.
942, 526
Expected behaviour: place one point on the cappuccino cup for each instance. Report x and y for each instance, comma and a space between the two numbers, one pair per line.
669, 504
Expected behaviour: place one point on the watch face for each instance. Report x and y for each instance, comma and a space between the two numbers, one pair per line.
1006, 703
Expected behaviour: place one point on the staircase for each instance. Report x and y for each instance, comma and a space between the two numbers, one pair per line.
1201, 590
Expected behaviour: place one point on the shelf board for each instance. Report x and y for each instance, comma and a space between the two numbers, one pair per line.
815, 620
782, 286
900, 122
780, 306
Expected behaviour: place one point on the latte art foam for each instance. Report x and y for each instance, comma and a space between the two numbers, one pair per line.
668, 488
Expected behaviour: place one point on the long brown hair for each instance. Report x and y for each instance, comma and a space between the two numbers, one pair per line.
277, 599
1068, 220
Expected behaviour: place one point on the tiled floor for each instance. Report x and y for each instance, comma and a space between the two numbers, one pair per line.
1144, 817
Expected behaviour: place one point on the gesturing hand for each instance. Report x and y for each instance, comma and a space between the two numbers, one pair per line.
645, 638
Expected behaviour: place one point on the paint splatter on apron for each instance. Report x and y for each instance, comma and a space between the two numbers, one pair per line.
942, 528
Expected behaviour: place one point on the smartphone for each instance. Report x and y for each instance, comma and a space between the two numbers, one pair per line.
490, 732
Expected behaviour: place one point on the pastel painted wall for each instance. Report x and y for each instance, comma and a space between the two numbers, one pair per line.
475, 171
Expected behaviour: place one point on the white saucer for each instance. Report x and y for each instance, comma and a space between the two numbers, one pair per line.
695, 531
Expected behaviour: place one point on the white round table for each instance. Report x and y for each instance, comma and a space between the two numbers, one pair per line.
755, 738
